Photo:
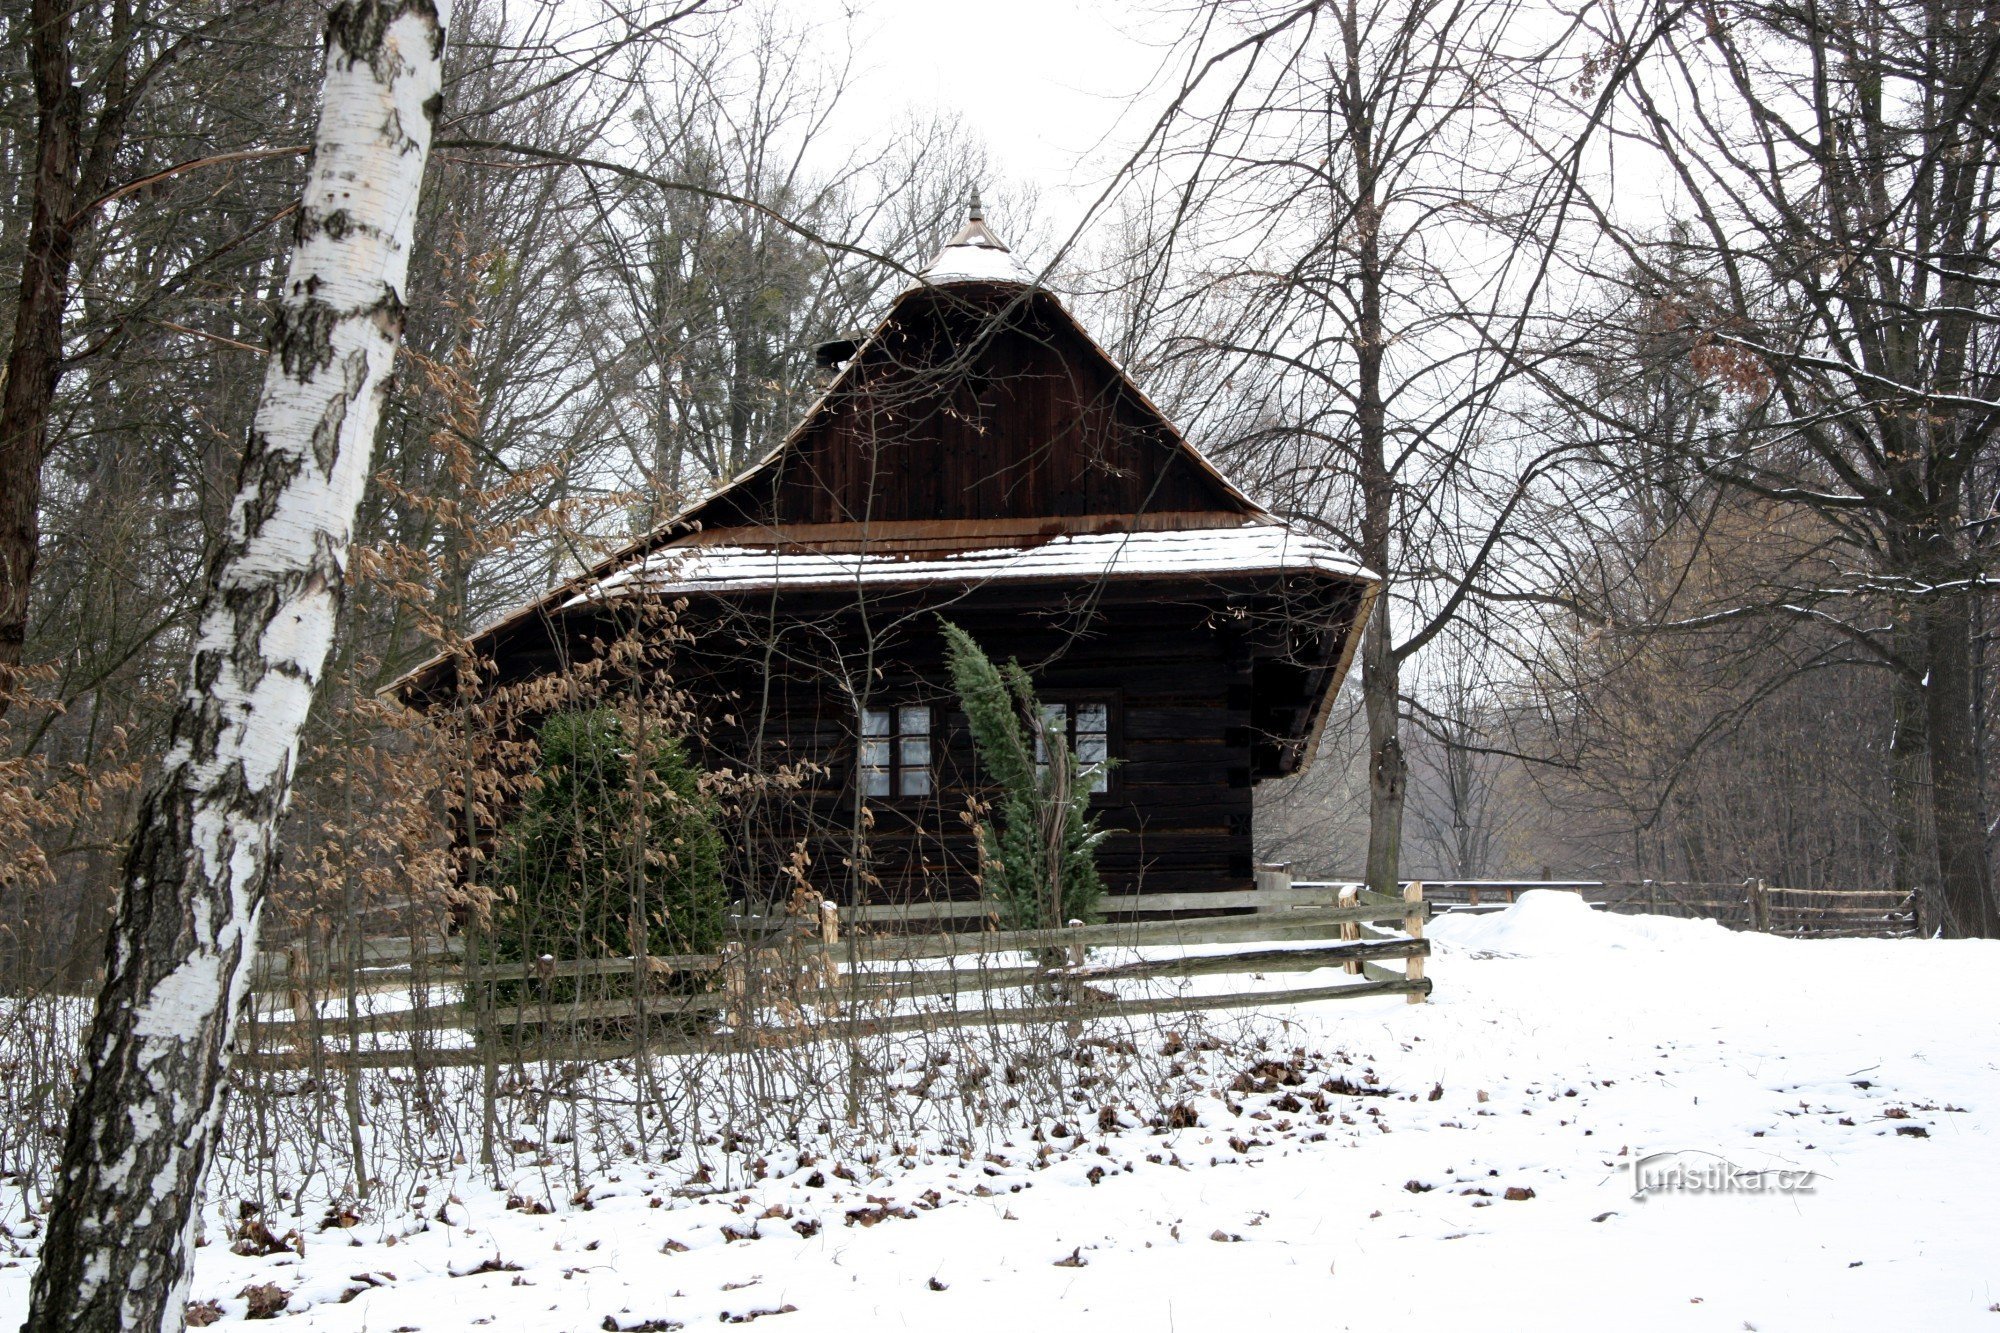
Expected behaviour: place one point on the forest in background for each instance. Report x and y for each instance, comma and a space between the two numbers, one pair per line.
1683, 493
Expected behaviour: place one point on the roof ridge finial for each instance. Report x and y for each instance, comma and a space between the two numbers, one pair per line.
977, 212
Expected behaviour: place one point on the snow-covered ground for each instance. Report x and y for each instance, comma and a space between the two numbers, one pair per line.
1561, 1047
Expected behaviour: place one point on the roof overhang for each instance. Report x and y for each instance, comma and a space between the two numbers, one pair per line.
1214, 553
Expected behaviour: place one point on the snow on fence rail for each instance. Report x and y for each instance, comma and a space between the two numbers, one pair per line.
1750, 904
868, 970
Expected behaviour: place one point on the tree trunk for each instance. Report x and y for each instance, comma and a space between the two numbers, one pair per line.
34, 359
118, 1247
1387, 775
1381, 666
1965, 878
1915, 865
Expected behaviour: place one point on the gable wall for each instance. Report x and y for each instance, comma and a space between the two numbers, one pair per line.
950, 420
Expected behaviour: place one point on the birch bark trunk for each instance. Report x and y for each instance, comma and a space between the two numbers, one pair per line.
119, 1242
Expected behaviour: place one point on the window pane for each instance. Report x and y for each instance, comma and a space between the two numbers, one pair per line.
1055, 720
916, 751
916, 721
1092, 720
875, 754
916, 782
1099, 777
1092, 748
875, 782
875, 722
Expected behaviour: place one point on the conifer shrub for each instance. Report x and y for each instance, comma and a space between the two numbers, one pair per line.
612, 850
1038, 841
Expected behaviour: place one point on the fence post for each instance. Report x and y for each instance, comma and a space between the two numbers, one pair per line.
829, 936
1760, 906
1074, 1028
1350, 930
736, 984
1413, 926
1272, 878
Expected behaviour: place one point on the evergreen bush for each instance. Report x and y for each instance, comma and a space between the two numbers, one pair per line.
607, 850
1039, 851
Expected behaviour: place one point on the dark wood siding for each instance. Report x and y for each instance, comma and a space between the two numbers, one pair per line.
967, 411
1180, 810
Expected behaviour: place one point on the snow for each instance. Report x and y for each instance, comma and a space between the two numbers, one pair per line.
1260, 548
1561, 1046
1551, 923
975, 263
975, 254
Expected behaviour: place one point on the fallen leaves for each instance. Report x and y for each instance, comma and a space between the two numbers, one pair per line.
255, 1241
491, 1264
879, 1210
745, 1316
267, 1300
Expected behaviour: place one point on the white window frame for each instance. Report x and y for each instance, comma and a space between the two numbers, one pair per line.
898, 752
1066, 717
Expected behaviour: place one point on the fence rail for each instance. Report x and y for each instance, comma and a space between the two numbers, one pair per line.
783, 975
1751, 904
890, 967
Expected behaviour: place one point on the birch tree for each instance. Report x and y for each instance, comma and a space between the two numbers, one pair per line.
117, 1252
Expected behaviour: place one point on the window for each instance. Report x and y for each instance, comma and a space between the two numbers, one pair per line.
896, 751
1086, 729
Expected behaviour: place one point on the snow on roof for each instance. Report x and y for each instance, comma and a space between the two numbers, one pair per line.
1262, 548
966, 263
975, 255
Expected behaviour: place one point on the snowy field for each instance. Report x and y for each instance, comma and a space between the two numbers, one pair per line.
1491, 1188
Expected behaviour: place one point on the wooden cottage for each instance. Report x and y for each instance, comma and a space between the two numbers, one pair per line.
978, 456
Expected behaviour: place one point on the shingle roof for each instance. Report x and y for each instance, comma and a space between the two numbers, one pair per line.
1259, 548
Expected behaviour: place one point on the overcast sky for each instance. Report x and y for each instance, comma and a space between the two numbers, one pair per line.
1056, 88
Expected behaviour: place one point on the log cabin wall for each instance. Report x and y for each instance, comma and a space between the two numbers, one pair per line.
1177, 682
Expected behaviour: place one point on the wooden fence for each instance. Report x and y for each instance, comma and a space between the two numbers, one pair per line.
1751, 904
869, 968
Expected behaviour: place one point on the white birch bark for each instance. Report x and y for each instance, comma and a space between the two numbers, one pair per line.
120, 1237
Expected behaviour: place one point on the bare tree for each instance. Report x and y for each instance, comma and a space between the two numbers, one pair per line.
1836, 169
97, 68
1365, 236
